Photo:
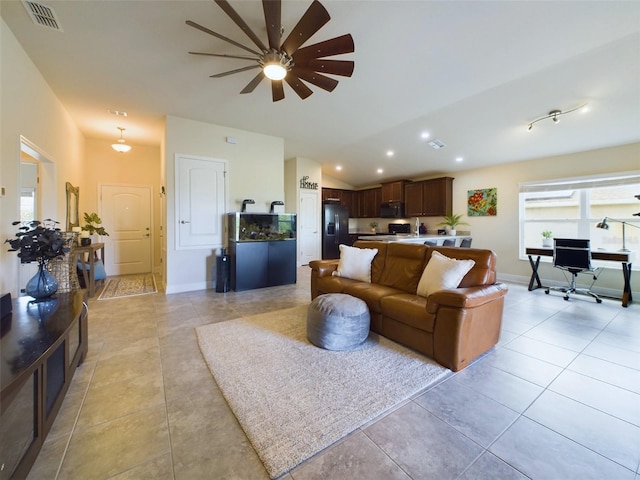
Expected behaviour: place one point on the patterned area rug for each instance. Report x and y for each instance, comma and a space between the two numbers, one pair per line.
128, 286
294, 399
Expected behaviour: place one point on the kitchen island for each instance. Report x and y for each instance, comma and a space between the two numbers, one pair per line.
411, 238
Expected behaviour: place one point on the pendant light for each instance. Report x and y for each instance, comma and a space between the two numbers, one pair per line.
121, 147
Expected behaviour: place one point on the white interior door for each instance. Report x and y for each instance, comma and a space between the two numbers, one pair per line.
126, 215
308, 228
200, 201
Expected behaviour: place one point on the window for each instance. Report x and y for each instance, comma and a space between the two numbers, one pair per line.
571, 208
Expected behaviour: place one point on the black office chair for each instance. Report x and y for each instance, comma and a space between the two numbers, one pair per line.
449, 242
431, 243
465, 243
573, 256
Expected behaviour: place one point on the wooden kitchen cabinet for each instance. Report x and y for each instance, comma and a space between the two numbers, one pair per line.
393, 191
345, 197
369, 201
429, 198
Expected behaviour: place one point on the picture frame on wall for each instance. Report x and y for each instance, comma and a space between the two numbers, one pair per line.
482, 202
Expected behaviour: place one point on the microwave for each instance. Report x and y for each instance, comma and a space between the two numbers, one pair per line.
392, 210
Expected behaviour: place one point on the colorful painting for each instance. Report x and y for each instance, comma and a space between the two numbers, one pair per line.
482, 202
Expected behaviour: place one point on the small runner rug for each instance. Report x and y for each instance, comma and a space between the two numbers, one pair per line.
294, 399
128, 286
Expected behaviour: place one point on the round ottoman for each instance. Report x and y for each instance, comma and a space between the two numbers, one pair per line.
336, 321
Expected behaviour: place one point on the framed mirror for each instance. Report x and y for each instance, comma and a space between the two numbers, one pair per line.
72, 206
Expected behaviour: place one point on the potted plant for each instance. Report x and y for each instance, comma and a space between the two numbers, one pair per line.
40, 242
374, 226
93, 226
451, 221
546, 238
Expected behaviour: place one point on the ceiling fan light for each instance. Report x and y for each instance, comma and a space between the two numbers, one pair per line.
274, 71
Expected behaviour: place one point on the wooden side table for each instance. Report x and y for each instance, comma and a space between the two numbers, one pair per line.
88, 274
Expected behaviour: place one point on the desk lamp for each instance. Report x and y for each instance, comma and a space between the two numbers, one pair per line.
604, 225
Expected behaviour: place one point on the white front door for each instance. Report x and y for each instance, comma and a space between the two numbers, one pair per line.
308, 228
126, 215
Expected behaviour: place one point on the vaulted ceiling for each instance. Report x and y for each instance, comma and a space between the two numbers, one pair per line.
471, 74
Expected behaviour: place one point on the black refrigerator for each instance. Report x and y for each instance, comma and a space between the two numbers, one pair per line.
335, 229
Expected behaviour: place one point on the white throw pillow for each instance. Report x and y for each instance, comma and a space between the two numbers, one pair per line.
355, 263
442, 272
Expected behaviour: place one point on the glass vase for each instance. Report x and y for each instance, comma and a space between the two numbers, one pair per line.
42, 285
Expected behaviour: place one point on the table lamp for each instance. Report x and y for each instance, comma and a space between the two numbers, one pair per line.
603, 224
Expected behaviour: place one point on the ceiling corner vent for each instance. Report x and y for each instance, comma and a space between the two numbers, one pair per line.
42, 15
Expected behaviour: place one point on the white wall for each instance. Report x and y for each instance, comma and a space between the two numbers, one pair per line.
138, 167
256, 170
500, 233
30, 109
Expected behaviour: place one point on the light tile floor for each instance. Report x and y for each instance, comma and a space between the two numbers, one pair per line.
558, 398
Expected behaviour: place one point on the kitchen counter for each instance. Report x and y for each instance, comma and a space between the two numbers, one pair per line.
410, 238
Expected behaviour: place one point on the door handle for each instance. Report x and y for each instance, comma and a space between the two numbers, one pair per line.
185, 221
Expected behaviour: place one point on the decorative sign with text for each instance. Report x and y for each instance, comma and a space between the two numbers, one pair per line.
306, 184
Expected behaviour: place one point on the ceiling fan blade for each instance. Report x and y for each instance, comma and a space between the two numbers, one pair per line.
251, 86
312, 20
272, 17
298, 86
317, 79
221, 37
228, 9
224, 55
332, 67
231, 72
328, 48
277, 90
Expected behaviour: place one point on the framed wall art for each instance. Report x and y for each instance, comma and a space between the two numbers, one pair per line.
482, 202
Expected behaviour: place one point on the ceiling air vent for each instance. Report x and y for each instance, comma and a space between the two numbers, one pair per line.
42, 15
437, 144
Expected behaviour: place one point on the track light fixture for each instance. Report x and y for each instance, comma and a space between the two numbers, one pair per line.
121, 147
554, 115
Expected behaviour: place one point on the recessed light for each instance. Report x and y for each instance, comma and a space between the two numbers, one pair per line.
338, 167
380, 170
118, 113
459, 159
390, 153
425, 135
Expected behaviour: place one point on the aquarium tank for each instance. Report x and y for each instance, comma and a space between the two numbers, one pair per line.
260, 227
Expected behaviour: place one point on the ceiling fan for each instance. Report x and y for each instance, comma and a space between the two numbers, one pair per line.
287, 61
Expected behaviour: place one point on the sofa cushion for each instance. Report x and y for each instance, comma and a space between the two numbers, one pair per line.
355, 263
484, 270
370, 293
403, 266
377, 266
442, 273
409, 309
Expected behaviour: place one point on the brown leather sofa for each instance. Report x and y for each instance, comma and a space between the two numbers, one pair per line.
452, 326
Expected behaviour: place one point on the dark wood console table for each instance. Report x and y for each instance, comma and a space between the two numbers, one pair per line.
624, 258
88, 263
41, 345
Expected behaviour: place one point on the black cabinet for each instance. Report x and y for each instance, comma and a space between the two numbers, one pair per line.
262, 264
262, 249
